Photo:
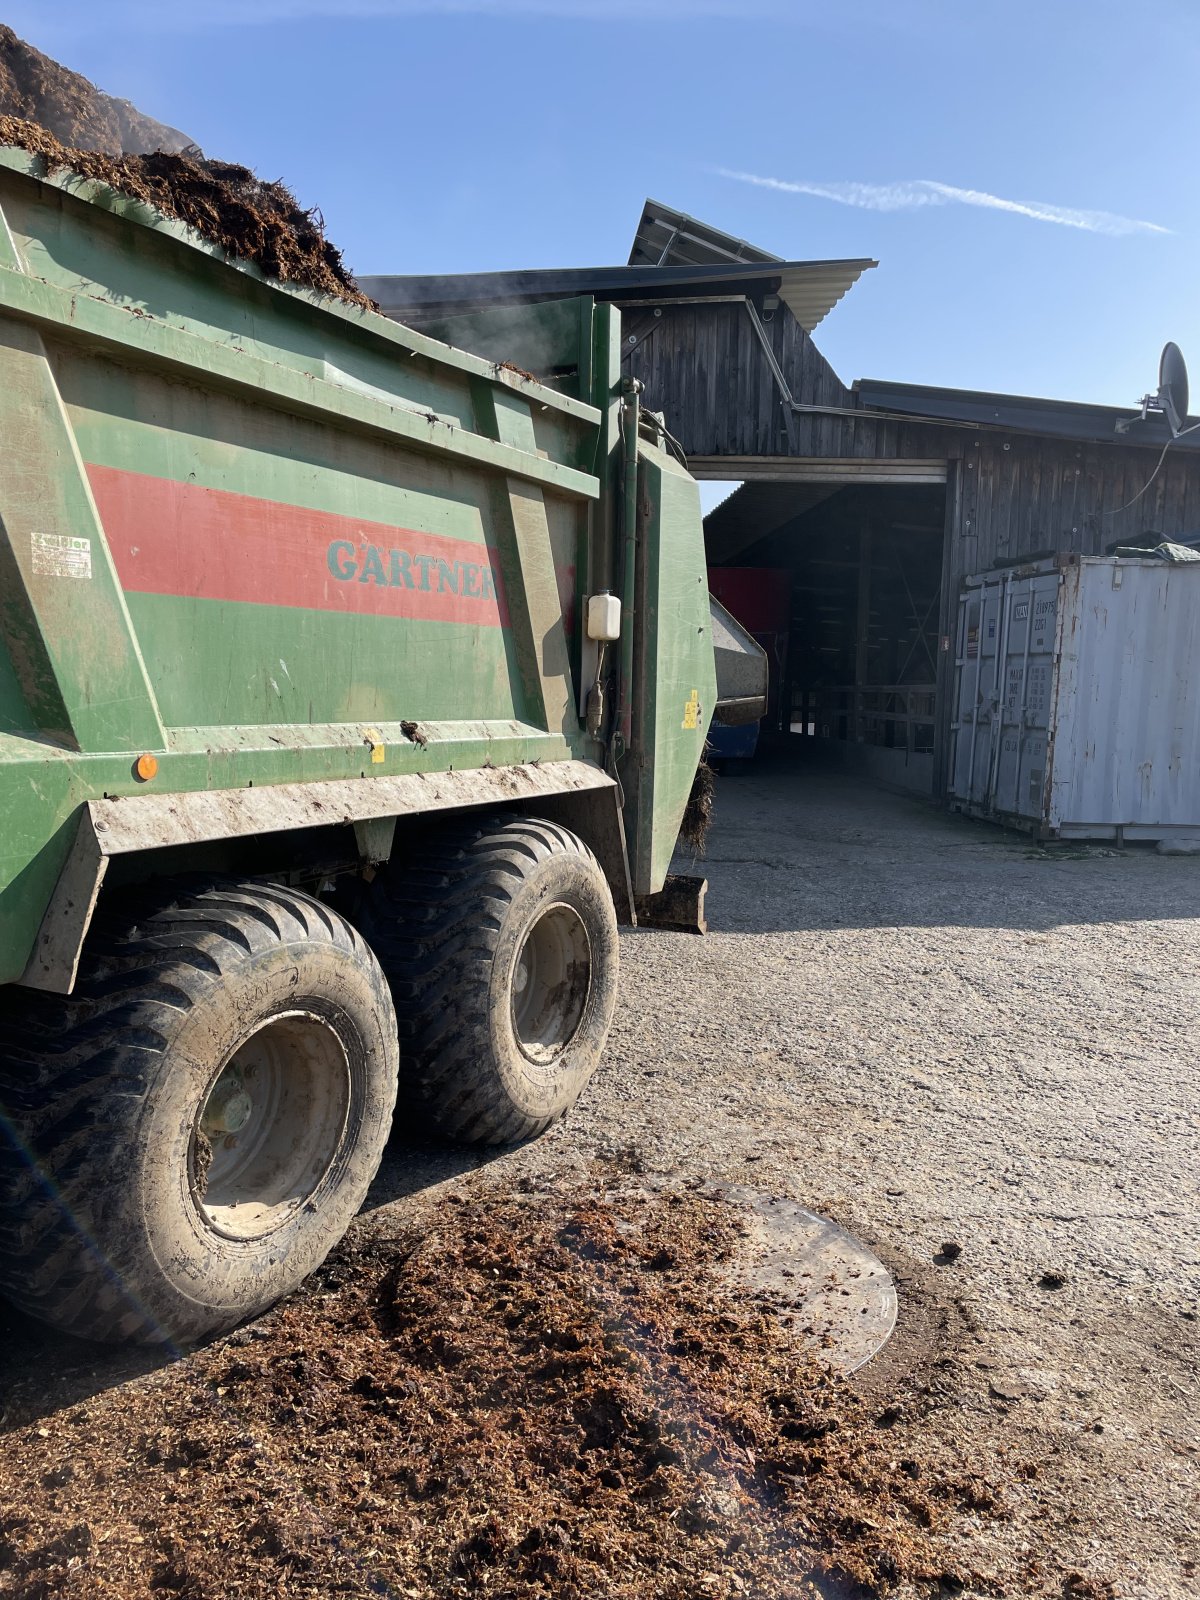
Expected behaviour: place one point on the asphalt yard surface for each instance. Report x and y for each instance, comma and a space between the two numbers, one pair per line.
976, 1055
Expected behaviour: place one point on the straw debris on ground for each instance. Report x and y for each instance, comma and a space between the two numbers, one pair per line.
545, 1396
698, 814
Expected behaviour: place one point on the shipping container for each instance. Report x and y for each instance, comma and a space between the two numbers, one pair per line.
1077, 698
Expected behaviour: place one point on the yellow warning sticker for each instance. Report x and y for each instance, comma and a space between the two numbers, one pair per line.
691, 710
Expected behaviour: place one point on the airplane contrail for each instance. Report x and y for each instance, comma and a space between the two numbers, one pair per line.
913, 194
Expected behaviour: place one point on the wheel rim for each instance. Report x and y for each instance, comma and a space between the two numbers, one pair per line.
552, 977
270, 1126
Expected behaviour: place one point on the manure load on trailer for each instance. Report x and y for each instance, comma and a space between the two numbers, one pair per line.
322, 780
64, 103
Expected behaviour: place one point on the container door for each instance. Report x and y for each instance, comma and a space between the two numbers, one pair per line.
1018, 785
975, 720
1127, 731
1005, 665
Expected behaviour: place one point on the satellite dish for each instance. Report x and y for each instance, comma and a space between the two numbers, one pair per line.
1171, 401
1173, 387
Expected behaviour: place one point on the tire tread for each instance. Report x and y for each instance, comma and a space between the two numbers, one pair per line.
435, 925
73, 1073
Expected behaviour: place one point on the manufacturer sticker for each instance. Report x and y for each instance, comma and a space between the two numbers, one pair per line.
58, 555
691, 710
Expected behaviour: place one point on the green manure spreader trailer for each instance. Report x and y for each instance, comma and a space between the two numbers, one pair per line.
352, 689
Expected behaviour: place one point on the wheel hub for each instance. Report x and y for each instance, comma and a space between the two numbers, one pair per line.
229, 1107
271, 1125
551, 982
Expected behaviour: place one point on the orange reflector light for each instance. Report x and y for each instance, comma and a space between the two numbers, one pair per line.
146, 767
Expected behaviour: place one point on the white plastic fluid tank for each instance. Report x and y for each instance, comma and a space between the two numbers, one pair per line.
603, 617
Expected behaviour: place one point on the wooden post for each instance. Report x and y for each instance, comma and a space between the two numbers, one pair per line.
863, 628
943, 711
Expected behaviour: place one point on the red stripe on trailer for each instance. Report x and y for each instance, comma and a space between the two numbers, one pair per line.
185, 540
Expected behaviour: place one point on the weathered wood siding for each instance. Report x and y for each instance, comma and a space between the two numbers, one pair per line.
1011, 495
704, 367
1020, 495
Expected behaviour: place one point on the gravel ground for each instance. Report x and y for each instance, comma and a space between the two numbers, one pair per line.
938, 1035
938, 1032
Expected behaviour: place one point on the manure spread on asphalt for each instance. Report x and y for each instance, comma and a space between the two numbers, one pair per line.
547, 1394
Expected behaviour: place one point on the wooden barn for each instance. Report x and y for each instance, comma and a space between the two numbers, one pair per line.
878, 498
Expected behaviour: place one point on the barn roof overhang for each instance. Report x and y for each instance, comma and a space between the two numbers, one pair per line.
810, 289
1059, 419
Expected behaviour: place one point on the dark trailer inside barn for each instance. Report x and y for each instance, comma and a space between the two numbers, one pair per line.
879, 498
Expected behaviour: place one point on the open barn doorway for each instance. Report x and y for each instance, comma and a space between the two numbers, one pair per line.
854, 570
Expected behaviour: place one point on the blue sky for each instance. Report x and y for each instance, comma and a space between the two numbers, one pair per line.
1018, 169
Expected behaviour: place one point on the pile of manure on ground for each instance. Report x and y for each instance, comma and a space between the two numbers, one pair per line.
544, 1396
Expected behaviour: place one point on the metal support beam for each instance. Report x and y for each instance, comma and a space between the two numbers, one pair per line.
781, 383
535, 610
832, 469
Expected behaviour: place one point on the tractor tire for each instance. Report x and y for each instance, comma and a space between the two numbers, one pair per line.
188, 1135
500, 945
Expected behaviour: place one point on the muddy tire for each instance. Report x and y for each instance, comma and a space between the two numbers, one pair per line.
500, 944
187, 1136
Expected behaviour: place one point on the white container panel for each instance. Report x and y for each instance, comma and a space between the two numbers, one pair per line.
1078, 698
1127, 751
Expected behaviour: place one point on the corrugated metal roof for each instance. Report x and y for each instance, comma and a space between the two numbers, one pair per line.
1061, 419
809, 288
